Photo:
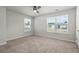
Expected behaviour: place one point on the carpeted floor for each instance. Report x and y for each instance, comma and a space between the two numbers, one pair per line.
36, 44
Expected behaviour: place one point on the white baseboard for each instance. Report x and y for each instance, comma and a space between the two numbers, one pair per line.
3, 43
14, 38
17, 37
56, 38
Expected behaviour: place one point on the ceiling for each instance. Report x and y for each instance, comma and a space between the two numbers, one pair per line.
28, 10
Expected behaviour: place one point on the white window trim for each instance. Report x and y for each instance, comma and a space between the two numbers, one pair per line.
30, 25
56, 29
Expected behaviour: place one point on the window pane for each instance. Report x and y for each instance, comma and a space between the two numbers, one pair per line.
51, 24
62, 23
27, 25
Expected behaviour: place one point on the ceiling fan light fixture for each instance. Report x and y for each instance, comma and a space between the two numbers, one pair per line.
35, 11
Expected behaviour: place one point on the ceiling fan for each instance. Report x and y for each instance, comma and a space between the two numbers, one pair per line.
36, 9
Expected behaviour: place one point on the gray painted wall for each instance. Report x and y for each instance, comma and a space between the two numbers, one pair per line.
77, 26
15, 25
2, 24
41, 25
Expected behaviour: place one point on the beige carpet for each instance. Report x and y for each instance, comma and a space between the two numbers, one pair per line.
36, 44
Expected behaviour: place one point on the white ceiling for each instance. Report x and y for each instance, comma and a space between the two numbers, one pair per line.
28, 10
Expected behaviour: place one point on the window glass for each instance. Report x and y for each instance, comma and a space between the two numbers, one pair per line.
51, 24
27, 25
62, 23
57, 24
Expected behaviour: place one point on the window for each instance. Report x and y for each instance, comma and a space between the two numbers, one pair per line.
27, 25
51, 24
58, 23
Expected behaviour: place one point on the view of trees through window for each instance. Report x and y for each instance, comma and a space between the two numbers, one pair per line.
51, 24
27, 25
58, 23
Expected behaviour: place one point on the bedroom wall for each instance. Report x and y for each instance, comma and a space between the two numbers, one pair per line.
2, 24
77, 26
15, 25
41, 25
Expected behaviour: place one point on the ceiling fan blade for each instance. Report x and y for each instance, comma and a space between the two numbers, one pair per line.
35, 8
39, 7
37, 11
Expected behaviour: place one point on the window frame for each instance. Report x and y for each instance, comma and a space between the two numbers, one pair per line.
25, 30
47, 26
56, 25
